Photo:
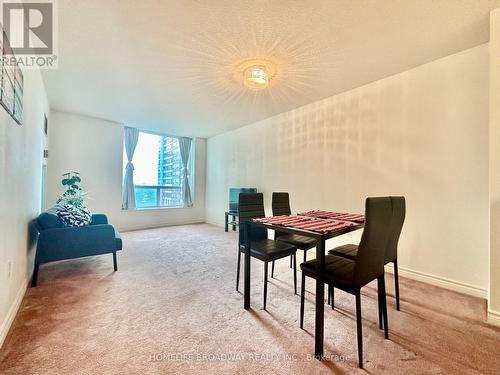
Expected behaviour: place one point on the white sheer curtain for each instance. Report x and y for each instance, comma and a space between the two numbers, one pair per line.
128, 198
185, 150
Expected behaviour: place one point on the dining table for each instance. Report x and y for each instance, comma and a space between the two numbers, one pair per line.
318, 224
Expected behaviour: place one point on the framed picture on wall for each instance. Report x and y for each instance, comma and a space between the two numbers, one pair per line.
18, 96
1, 54
8, 89
11, 83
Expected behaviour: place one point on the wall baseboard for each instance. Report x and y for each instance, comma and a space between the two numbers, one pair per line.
215, 223
11, 315
439, 281
493, 318
160, 225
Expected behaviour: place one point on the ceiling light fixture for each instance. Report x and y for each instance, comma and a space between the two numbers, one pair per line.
256, 77
257, 74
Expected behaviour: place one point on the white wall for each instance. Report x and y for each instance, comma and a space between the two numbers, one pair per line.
21, 150
94, 147
422, 134
494, 287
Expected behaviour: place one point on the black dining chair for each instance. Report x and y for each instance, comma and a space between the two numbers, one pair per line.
350, 275
281, 206
251, 206
391, 252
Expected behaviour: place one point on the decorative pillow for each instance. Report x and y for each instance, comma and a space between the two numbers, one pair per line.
74, 216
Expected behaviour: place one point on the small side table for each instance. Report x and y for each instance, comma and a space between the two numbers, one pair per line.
233, 222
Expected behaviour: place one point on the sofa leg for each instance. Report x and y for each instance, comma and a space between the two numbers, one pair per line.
35, 276
115, 266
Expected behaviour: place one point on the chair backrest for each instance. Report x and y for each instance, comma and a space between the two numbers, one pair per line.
371, 250
251, 205
398, 218
281, 204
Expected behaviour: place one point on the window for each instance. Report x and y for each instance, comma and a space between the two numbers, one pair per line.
158, 178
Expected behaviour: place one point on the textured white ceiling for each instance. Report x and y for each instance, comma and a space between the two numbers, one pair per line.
171, 65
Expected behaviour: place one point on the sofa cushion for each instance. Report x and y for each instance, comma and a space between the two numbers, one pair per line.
49, 219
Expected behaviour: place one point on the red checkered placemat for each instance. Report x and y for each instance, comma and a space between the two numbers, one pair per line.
355, 218
307, 223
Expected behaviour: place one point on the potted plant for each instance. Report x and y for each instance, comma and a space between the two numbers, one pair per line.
71, 207
74, 195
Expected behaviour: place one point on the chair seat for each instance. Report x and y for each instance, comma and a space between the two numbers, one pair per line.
338, 270
347, 251
267, 250
301, 242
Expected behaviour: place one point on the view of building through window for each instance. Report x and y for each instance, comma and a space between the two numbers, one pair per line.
169, 172
157, 171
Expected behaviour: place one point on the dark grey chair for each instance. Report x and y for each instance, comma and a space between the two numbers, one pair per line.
350, 275
391, 252
251, 205
281, 206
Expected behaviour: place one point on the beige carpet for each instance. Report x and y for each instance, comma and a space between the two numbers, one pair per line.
172, 308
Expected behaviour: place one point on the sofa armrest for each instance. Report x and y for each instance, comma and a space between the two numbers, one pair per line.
99, 219
75, 242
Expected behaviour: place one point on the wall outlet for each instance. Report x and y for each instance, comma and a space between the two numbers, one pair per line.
9, 268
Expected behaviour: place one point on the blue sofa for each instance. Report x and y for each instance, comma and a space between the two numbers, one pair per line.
58, 242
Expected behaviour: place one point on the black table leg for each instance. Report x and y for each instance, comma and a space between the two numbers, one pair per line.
226, 218
247, 266
320, 300
234, 221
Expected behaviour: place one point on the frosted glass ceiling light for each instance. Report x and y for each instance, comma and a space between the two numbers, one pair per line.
256, 77
257, 73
